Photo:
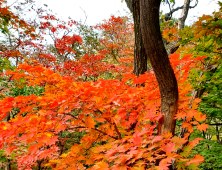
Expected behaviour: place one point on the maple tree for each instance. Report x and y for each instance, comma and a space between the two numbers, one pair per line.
84, 107
67, 113
117, 42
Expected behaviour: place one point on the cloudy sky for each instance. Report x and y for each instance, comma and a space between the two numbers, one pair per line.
97, 10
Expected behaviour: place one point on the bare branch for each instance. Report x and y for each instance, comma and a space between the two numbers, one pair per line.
86, 16
215, 124
13, 3
168, 16
194, 5
169, 8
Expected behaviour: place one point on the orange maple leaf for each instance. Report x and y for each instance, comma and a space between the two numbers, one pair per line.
90, 123
202, 127
101, 166
197, 159
200, 117
169, 147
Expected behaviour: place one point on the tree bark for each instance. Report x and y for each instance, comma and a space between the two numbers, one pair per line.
140, 56
153, 43
183, 17
8, 165
217, 134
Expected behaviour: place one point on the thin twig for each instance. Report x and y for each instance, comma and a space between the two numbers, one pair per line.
92, 128
117, 131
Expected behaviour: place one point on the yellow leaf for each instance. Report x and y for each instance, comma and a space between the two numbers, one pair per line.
63, 155
53, 161
49, 134
214, 137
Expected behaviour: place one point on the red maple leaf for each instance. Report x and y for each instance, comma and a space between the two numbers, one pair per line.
137, 140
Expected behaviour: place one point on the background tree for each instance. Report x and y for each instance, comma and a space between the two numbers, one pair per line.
140, 56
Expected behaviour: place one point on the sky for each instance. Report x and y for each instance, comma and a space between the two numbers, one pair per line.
98, 10
94, 11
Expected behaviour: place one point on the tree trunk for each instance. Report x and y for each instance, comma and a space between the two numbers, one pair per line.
140, 56
183, 17
153, 43
8, 165
218, 134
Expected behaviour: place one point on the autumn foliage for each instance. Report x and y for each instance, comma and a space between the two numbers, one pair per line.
86, 120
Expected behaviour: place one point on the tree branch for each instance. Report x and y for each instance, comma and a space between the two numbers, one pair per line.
92, 128
117, 131
168, 16
105, 133
215, 124
169, 8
